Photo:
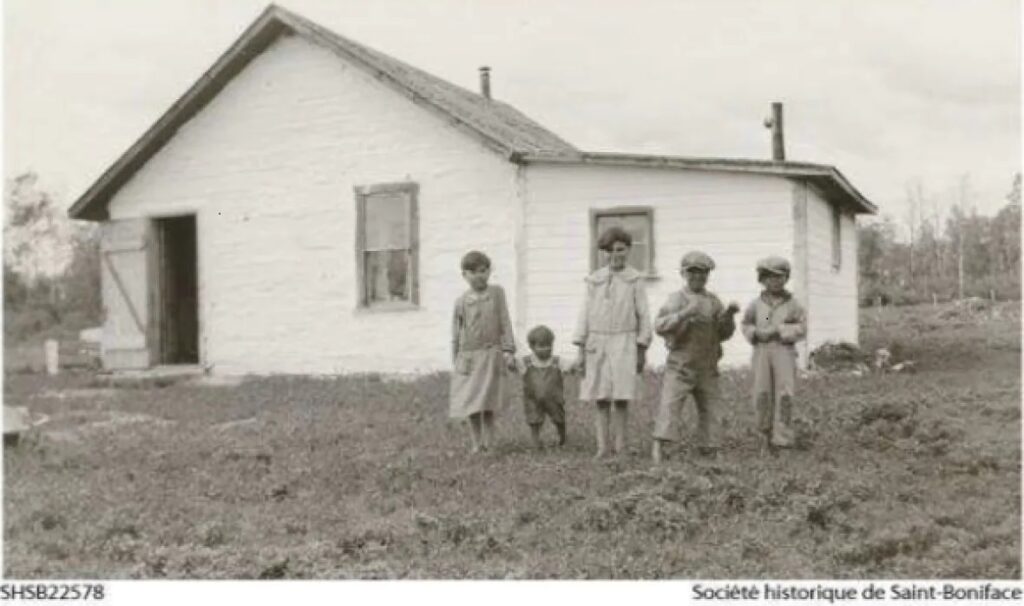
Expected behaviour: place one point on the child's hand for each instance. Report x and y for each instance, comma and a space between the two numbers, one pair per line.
510, 361
690, 312
733, 308
766, 334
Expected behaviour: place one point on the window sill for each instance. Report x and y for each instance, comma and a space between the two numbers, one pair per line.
390, 307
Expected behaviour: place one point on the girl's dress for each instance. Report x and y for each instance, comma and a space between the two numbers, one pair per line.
481, 334
615, 319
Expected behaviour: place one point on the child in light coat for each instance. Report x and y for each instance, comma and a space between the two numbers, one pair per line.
613, 333
773, 323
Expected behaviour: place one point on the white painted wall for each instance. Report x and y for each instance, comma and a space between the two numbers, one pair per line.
269, 168
735, 218
832, 313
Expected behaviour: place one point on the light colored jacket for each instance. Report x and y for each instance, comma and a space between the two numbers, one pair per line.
616, 302
784, 314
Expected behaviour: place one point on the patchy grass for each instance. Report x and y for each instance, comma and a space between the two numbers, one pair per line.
913, 476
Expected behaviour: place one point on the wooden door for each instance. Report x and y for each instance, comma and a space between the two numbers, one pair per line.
129, 283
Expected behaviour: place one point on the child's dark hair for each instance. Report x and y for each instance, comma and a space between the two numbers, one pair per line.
474, 260
540, 335
612, 235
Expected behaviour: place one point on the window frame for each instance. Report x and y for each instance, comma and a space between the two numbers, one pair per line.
836, 229
646, 211
364, 194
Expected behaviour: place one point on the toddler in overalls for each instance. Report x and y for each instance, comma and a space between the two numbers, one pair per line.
693, 323
773, 323
543, 385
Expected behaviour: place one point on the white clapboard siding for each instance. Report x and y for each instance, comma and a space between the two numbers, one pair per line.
736, 218
832, 309
269, 168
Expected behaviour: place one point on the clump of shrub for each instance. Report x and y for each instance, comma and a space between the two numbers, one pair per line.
662, 502
838, 357
887, 543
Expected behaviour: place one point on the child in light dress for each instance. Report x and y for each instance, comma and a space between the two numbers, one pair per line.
483, 349
613, 333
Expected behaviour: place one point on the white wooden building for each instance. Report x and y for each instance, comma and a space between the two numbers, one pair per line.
304, 206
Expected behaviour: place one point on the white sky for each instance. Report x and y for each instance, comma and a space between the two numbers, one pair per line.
888, 91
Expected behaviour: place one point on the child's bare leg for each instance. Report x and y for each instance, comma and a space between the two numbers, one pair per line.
656, 451
621, 417
474, 433
535, 435
601, 419
488, 430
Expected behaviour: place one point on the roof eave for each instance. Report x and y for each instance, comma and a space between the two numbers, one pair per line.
271, 23
794, 170
92, 204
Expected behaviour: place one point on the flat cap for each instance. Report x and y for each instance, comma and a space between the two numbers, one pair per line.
773, 265
697, 260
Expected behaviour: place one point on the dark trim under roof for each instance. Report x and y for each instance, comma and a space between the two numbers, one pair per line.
827, 178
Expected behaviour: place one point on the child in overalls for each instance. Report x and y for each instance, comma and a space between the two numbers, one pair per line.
543, 385
773, 323
483, 348
693, 323
613, 332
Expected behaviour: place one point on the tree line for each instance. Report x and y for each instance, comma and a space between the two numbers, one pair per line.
51, 264
948, 251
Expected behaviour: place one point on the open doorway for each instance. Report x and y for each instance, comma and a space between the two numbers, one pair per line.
179, 291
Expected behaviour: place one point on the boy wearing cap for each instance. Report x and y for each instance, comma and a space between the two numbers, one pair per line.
693, 323
773, 323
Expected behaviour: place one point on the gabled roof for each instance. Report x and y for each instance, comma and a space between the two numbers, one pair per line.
498, 125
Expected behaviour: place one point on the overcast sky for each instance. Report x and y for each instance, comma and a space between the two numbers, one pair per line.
889, 91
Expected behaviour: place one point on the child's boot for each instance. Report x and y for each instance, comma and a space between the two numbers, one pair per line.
561, 433
535, 436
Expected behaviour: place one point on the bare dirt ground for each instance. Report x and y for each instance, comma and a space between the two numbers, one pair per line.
896, 475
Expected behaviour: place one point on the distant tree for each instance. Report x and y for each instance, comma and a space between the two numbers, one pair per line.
954, 253
37, 238
51, 264
81, 279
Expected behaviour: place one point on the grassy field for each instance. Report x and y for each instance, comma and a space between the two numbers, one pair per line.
897, 475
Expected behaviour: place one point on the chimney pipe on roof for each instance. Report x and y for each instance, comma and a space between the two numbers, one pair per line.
485, 82
774, 122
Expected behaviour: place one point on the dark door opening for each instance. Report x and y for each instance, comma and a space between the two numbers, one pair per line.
179, 291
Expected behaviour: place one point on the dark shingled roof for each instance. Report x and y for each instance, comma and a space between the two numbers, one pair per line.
499, 122
497, 125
